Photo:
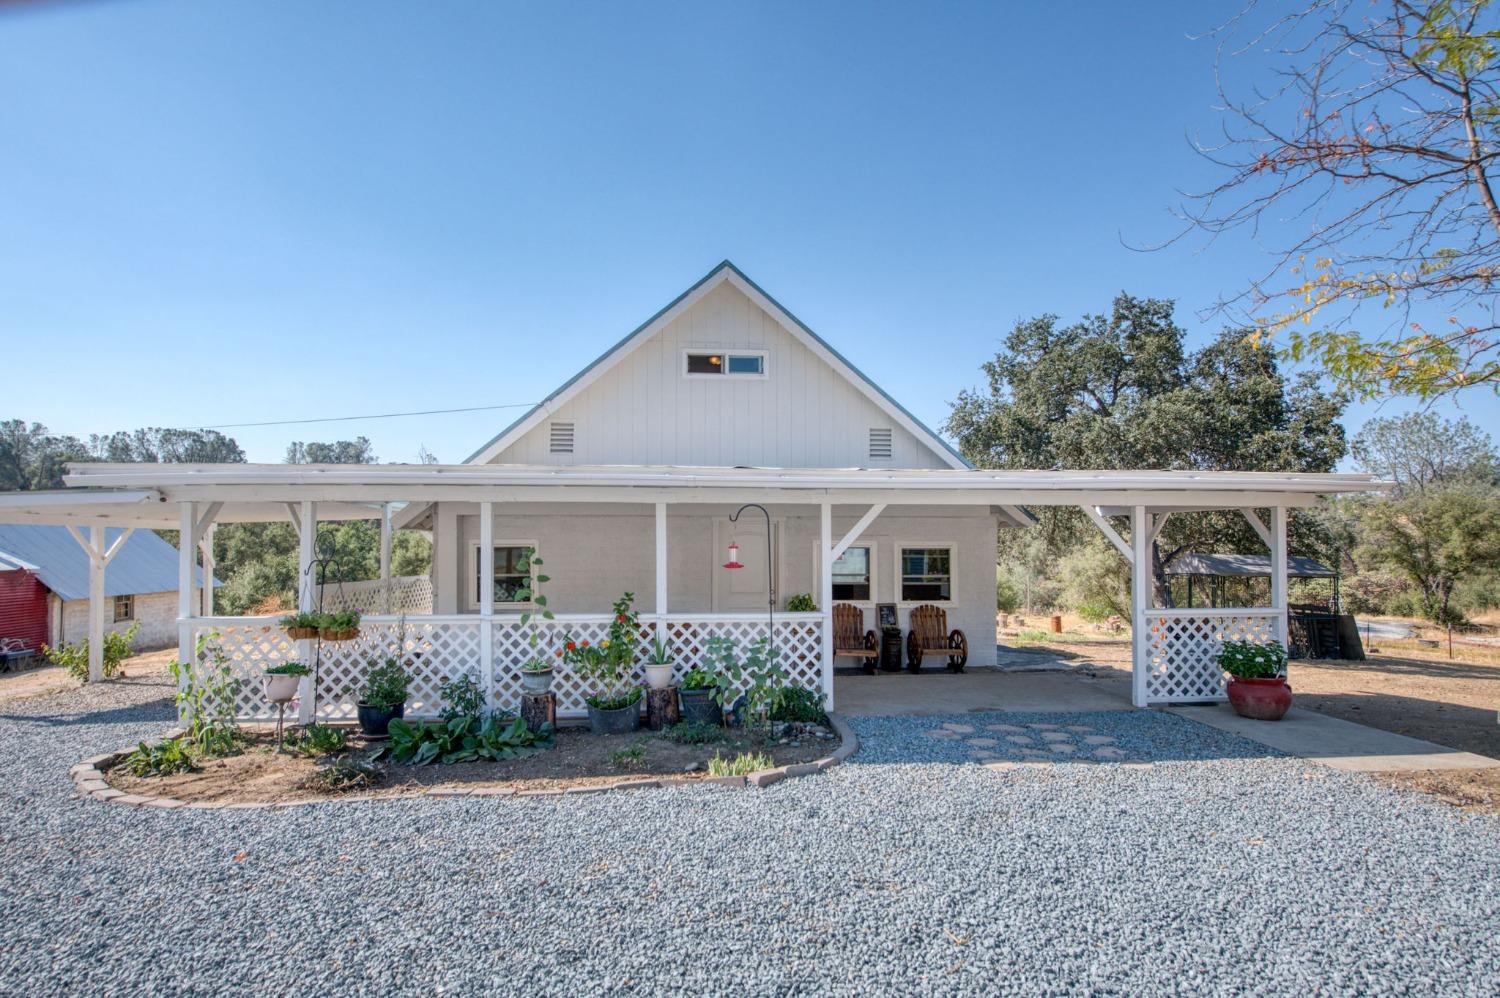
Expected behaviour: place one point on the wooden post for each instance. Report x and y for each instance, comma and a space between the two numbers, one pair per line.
1279, 573
661, 708
206, 546
825, 596
538, 709
96, 604
307, 600
661, 559
1140, 602
487, 601
186, 657
385, 557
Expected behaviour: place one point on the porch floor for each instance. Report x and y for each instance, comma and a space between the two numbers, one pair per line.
981, 690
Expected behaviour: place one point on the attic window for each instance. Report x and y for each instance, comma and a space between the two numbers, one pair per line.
738, 364
561, 438
880, 443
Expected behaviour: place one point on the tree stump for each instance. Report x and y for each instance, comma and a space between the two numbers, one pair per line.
538, 709
661, 708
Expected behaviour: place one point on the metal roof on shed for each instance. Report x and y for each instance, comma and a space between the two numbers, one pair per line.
1251, 565
146, 563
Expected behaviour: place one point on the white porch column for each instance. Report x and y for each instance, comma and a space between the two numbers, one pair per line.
307, 599
385, 557
96, 604
487, 600
187, 525
1140, 602
825, 594
206, 545
661, 559
1279, 572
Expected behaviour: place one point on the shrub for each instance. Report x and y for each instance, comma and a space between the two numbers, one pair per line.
75, 657
206, 697
172, 755
688, 733
1007, 597
801, 603
798, 703
1096, 613
462, 698
1247, 660
463, 739
320, 739
741, 765
699, 678
386, 685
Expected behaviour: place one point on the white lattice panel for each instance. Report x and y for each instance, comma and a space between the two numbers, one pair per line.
1181, 649
249, 645
409, 594
433, 650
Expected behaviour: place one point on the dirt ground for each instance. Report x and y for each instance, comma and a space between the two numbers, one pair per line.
580, 758
55, 679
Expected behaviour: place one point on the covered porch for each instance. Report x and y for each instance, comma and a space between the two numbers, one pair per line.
1173, 650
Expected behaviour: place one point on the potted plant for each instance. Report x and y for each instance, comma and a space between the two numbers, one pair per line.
659, 663
280, 681
1257, 679
383, 698
698, 693
536, 672
302, 626
801, 603
341, 626
609, 669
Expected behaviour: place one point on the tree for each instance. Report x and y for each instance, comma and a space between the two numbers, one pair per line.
33, 458
1366, 165
1122, 391
1439, 540
1420, 451
356, 451
157, 445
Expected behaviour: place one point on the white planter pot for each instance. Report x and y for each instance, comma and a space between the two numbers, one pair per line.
280, 689
659, 677
536, 682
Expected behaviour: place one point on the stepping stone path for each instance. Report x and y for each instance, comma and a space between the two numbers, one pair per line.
1081, 729
962, 729
1108, 753
1098, 740
940, 733
1019, 739
1055, 736
1005, 729
983, 743
1038, 744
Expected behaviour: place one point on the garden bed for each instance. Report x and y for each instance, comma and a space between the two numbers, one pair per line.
580, 760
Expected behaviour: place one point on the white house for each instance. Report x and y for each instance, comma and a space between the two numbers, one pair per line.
627, 478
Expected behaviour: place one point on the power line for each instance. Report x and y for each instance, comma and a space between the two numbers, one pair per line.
350, 419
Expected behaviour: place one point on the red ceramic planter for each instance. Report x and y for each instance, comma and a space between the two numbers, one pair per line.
1262, 699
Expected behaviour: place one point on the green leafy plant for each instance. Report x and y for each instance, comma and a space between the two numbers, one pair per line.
700, 678
741, 765
1248, 660
75, 657
757, 675
659, 652
301, 621
386, 685
171, 755
463, 739
206, 698
462, 697
797, 703
689, 733
532, 593
609, 666
620, 702
344, 775
631, 754
801, 603
343, 620
320, 739
288, 669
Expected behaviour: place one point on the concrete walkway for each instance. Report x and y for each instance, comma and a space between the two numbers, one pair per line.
1336, 743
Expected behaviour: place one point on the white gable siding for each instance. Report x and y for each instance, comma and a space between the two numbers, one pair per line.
643, 411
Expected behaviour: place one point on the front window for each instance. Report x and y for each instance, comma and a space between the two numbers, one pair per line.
512, 574
926, 575
124, 608
851, 575
715, 363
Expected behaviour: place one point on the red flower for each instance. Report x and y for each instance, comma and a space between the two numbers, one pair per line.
620, 618
573, 647
558, 653
585, 644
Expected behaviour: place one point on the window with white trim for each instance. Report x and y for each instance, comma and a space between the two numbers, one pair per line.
513, 573
124, 608
851, 574
725, 364
926, 574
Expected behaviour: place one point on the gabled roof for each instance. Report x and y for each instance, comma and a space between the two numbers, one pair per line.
724, 272
145, 564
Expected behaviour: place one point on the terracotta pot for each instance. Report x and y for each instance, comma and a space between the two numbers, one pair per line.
658, 675
301, 633
280, 688
1261, 699
344, 634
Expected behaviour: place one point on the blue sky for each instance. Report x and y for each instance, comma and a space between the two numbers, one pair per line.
234, 212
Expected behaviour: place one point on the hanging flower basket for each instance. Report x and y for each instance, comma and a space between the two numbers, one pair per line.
339, 634
302, 633
340, 626
302, 626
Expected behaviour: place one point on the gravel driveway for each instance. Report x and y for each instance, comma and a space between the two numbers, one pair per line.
915, 869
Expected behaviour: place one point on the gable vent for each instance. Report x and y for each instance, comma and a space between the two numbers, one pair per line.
880, 443
562, 438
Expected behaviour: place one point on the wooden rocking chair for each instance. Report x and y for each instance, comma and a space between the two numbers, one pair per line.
929, 633
850, 637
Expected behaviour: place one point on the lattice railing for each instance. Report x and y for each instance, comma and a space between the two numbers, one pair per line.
1181, 647
438, 649
409, 594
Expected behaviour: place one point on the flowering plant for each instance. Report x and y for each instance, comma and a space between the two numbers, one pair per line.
532, 592
1248, 660
609, 665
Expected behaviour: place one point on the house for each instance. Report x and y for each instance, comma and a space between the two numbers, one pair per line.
44, 587
718, 420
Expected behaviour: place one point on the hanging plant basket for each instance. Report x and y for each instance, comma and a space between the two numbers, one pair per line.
302, 633
341, 634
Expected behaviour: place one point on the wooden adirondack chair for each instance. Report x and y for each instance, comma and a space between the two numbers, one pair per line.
850, 637
929, 633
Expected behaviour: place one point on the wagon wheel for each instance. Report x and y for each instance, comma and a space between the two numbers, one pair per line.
872, 646
960, 651
913, 652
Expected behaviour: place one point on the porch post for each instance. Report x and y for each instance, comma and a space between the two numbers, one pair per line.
1279, 572
96, 604
185, 655
385, 557
206, 545
661, 559
825, 595
487, 600
307, 598
1140, 602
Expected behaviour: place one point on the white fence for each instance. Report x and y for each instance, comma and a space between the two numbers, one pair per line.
409, 594
1181, 647
439, 649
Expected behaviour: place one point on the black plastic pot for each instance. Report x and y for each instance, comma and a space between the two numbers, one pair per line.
375, 722
699, 707
619, 721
